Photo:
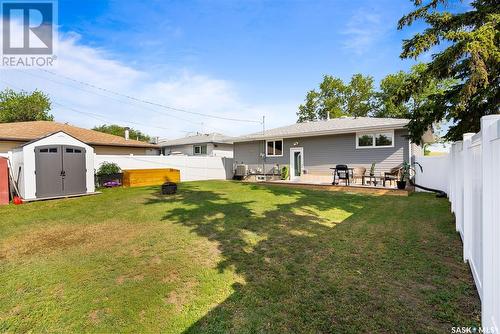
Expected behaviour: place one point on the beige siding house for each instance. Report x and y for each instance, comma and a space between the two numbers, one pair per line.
311, 149
13, 135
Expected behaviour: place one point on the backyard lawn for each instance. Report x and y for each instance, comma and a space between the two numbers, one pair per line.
223, 257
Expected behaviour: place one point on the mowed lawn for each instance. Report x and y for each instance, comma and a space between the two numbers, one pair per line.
223, 256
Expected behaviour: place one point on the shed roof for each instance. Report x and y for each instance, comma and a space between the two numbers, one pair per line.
28, 131
327, 127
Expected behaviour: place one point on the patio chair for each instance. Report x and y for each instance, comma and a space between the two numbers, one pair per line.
359, 173
392, 175
341, 173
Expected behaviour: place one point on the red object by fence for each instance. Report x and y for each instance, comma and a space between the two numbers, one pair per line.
4, 181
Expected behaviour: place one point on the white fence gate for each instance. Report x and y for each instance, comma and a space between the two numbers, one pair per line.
192, 168
474, 192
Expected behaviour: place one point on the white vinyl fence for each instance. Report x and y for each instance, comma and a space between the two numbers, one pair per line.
474, 192
435, 172
192, 168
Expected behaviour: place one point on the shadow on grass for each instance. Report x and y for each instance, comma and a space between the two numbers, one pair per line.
311, 261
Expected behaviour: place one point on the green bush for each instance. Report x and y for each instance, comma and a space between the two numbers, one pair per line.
108, 168
284, 173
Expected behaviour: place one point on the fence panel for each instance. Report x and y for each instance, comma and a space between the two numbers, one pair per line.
434, 174
490, 221
191, 168
473, 186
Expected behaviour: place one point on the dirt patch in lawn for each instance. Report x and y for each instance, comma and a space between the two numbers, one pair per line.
65, 237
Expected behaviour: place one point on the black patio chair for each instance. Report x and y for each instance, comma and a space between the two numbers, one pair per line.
341, 173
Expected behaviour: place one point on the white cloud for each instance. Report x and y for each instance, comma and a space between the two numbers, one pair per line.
180, 88
363, 30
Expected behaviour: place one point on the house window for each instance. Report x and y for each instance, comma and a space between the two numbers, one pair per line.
375, 139
200, 150
274, 148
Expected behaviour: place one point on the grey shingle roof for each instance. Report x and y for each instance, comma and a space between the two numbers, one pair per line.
199, 138
326, 127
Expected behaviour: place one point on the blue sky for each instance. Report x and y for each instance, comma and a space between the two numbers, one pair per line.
240, 59
269, 49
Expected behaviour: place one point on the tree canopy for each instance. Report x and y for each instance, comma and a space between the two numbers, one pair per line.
470, 57
118, 130
336, 98
358, 97
23, 106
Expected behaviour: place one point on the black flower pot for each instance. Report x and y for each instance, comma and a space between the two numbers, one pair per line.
401, 185
169, 188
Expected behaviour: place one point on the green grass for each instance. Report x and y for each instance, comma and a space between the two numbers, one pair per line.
229, 257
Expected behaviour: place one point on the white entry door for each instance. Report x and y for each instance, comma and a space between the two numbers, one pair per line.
296, 162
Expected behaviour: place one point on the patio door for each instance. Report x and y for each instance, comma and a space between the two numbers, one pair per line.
296, 162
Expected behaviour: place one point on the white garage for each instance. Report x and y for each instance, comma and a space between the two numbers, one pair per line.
57, 165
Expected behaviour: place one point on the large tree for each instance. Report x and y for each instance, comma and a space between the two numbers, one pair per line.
23, 106
417, 101
469, 54
336, 99
117, 130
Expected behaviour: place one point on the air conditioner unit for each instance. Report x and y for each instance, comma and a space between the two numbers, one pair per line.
241, 170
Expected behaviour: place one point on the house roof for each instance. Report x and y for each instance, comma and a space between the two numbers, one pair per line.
199, 138
28, 131
327, 127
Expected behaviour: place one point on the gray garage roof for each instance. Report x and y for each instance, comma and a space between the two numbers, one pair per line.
199, 138
327, 127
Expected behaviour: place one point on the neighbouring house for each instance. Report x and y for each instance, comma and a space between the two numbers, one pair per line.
13, 135
201, 144
310, 149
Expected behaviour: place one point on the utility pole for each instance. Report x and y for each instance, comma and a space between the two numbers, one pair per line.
264, 146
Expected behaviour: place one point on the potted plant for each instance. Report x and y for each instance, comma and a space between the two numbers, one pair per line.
284, 173
405, 174
109, 174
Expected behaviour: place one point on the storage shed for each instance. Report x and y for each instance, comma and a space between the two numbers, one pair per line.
56, 165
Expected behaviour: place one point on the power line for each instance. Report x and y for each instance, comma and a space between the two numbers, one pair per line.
150, 102
109, 97
97, 116
123, 102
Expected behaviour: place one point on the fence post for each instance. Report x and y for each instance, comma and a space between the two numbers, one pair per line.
491, 293
468, 200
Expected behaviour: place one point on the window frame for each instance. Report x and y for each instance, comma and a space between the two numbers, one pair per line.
201, 149
274, 147
374, 134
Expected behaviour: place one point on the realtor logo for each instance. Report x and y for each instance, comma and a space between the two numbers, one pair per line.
28, 29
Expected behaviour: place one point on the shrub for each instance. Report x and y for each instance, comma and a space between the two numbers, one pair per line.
284, 173
108, 168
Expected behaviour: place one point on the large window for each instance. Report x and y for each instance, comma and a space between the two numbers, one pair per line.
274, 148
375, 139
200, 149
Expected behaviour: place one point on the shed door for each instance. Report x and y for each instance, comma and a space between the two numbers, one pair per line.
48, 166
74, 175
60, 170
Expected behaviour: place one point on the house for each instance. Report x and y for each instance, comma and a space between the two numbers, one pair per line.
310, 149
201, 144
13, 135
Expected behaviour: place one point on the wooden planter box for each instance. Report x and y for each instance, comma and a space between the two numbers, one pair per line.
150, 177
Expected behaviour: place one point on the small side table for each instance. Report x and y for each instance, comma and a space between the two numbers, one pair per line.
371, 179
